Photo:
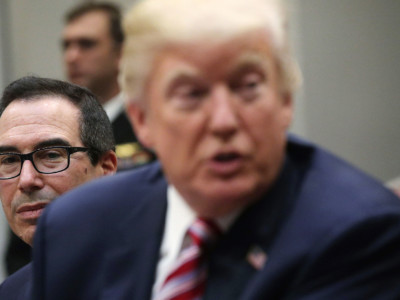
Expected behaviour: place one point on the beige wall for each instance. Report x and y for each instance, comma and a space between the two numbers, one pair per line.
350, 59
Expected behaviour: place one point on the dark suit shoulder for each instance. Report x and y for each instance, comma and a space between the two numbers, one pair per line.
334, 194
124, 186
342, 231
115, 224
338, 236
324, 174
104, 201
17, 285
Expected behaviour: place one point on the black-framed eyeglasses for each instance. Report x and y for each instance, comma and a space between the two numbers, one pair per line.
47, 160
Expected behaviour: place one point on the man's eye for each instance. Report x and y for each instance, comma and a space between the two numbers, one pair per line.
248, 86
83, 44
87, 44
50, 155
188, 96
9, 160
190, 92
53, 155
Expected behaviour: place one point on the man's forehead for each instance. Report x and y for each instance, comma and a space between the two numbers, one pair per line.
40, 143
91, 24
35, 104
178, 64
254, 47
33, 121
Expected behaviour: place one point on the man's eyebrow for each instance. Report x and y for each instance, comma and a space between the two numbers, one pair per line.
65, 42
52, 142
251, 59
43, 144
4, 149
180, 73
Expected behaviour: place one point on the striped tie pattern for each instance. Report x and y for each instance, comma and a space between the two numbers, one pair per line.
187, 279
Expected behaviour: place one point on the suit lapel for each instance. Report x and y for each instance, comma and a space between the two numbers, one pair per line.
131, 264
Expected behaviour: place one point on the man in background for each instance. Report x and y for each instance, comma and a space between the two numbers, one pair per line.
236, 208
54, 136
92, 43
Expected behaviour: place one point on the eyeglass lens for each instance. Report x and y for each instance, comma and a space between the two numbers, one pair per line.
46, 161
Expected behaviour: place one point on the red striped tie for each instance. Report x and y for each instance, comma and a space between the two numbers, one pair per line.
187, 279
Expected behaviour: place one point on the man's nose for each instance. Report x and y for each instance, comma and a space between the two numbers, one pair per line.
29, 179
71, 53
224, 118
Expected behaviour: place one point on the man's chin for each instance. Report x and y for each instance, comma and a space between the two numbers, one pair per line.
28, 233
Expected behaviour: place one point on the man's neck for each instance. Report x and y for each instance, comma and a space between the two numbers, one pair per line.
106, 94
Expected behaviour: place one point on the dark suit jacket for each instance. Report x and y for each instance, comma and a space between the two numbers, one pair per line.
137, 155
18, 285
328, 232
122, 129
18, 253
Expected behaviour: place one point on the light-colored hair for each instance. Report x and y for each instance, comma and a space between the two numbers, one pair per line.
152, 25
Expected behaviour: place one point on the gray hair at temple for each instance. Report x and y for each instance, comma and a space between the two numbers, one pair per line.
152, 25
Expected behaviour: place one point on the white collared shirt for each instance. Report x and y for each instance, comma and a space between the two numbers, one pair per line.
178, 219
114, 106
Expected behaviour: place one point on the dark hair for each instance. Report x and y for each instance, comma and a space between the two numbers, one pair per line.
94, 125
110, 9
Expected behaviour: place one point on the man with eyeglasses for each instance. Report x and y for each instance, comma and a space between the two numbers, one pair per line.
54, 136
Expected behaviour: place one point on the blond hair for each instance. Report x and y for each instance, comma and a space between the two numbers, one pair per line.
152, 25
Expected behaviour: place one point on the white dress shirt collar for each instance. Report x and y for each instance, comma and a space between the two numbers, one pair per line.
114, 106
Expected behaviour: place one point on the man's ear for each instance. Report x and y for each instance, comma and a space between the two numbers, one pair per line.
139, 119
288, 109
108, 163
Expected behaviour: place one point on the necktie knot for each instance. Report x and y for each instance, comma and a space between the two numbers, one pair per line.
204, 233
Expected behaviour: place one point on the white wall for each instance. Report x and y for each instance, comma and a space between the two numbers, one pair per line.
350, 59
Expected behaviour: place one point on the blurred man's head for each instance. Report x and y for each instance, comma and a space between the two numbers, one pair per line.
210, 86
92, 41
54, 136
